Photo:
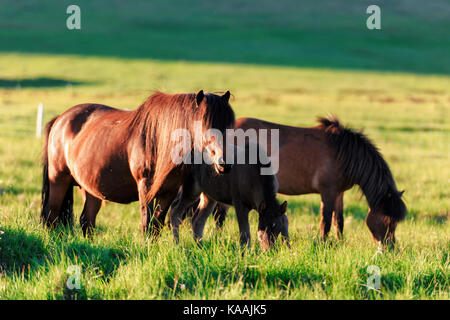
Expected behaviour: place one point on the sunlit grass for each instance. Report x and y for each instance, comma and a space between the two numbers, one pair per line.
406, 115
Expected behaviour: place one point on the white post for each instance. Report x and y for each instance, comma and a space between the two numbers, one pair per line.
39, 120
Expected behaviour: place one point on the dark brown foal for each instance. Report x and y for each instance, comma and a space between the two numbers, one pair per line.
245, 188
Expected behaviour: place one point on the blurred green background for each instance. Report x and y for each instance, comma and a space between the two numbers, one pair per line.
320, 34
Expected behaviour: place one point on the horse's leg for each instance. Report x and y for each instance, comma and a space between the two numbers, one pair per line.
176, 216
189, 195
244, 227
190, 212
145, 206
338, 215
205, 208
57, 195
146, 216
220, 214
326, 209
161, 209
87, 219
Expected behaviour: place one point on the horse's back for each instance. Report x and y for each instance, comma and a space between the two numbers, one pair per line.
80, 120
75, 119
89, 142
306, 160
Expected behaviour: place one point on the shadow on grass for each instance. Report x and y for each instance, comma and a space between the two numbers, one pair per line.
437, 219
393, 282
26, 255
11, 190
249, 276
15, 191
99, 259
21, 252
105, 258
38, 83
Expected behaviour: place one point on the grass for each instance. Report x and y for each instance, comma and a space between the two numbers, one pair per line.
285, 63
407, 115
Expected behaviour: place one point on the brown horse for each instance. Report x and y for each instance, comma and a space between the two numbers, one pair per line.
245, 188
329, 159
125, 156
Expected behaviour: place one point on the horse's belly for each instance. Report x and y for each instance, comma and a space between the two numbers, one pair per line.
109, 186
88, 141
104, 175
218, 192
220, 198
292, 188
124, 193
294, 178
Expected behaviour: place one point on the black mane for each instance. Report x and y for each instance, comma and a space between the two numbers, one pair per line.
363, 164
163, 113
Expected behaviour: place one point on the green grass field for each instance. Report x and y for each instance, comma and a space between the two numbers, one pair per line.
287, 68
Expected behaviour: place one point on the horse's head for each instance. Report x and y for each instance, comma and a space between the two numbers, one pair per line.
382, 220
272, 222
216, 116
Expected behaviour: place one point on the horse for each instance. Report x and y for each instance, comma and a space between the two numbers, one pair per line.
245, 188
329, 159
125, 156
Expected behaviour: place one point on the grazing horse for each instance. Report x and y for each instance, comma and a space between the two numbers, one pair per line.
245, 188
124, 156
329, 159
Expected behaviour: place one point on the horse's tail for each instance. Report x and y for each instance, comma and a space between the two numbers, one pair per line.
362, 164
66, 216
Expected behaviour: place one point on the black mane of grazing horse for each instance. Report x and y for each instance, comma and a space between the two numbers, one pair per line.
363, 164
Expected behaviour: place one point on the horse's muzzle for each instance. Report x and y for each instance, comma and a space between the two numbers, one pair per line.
264, 240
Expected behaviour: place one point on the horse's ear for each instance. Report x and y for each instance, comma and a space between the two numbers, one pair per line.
226, 96
284, 207
199, 97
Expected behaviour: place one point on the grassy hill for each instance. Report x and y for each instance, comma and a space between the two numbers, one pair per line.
332, 34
